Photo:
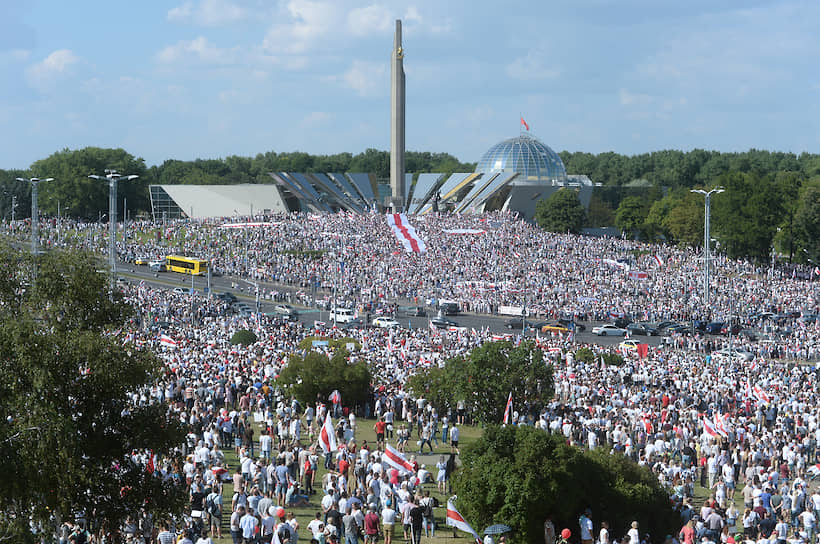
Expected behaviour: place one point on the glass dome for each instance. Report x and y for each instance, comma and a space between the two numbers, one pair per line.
525, 155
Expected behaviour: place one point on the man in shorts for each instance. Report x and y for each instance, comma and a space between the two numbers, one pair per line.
454, 432
379, 428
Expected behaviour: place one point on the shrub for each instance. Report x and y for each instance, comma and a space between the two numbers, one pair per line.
243, 337
585, 355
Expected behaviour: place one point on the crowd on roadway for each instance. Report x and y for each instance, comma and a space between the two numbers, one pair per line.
729, 425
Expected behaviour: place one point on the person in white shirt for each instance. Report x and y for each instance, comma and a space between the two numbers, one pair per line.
603, 535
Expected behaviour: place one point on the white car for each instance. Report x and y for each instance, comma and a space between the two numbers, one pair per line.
740, 354
628, 345
341, 315
609, 330
384, 322
179, 290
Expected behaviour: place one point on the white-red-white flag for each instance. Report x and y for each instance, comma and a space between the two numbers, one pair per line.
396, 459
658, 259
508, 409
327, 438
405, 233
761, 394
455, 519
167, 341
709, 428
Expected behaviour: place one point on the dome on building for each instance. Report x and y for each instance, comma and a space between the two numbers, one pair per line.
526, 155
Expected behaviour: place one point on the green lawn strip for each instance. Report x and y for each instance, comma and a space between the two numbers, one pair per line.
364, 432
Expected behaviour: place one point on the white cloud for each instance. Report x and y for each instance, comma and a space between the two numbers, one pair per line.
532, 66
197, 50
304, 24
412, 15
366, 21
208, 13
317, 118
45, 74
366, 78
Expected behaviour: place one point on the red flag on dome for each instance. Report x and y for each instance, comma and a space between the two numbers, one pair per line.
526, 126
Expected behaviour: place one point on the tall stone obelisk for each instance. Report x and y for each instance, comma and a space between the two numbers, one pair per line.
397, 123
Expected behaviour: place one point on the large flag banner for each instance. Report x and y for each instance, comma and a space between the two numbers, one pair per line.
167, 341
454, 519
508, 409
761, 394
327, 438
396, 459
405, 233
709, 428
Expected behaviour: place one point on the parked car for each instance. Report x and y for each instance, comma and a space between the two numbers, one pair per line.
341, 315
230, 298
416, 311
286, 311
384, 322
678, 328
554, 327
734, 353
609, 330
448, 307
622, 322
572, 324
441, 322
734, 329
517, 323
642, 329
714, 327
179, 290
628, 345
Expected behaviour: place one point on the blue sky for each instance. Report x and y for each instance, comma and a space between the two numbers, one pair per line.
211, 78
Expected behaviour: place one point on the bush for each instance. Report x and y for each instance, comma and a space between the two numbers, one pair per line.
316, 376
519, 475
613, 359
243, 337
585, 355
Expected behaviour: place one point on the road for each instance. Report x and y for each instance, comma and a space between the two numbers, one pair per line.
245, 292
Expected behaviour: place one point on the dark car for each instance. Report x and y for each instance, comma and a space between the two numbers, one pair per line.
230, 298
441, 322
448, 308
663, 325
677, 328
734, 329
572, 324
643, 329
715, 327
516, 323
416, 311
622, 322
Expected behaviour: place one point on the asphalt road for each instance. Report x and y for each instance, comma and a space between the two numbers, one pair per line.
245, 292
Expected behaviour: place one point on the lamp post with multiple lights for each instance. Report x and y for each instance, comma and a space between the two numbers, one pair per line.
35, 212
112, 176
706, 238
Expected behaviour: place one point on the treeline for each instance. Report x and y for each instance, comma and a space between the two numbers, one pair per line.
78, 196
771, 199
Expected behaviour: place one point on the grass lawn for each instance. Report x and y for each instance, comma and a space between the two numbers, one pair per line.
364, 432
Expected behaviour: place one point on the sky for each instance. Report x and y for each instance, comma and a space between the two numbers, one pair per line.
212, 78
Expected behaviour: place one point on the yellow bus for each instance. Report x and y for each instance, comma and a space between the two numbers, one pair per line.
186, 265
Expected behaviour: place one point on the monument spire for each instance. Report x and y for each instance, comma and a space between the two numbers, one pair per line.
397, 123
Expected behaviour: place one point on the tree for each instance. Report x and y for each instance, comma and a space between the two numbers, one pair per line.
66, 400
518, 475
485, 377
243, 337
316, 376
684, 222
85, 197
561, 212
807, 222
631, 214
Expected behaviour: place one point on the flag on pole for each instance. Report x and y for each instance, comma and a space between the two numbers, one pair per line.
454, 519
658, 259
761, 394
152, 462
526, 126
396, 459
508, 409
327, 438
167, 341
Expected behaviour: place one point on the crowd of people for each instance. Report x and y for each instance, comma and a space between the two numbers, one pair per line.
725, 424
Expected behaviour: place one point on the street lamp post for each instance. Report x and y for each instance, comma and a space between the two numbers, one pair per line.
112, 176
35, 212
706, 237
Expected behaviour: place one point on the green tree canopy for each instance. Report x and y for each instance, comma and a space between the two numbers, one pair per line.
316, 376
65, 400
631, 214
561, 212
519, 475
485, 377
